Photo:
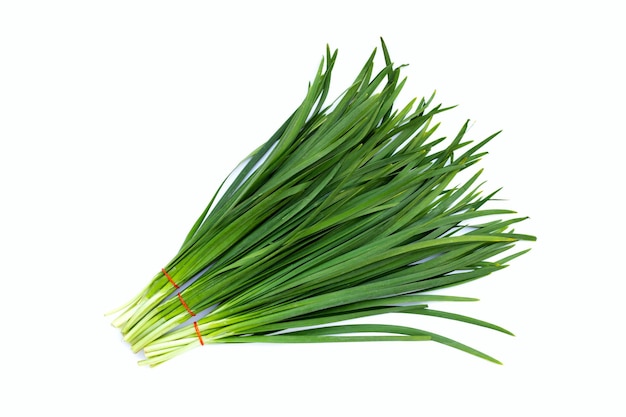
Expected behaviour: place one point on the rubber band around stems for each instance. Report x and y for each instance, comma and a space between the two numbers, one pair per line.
169, 278
195, 325
180, 297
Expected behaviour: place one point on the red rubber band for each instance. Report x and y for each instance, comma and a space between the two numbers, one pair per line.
180, 297
195, 325
169, 278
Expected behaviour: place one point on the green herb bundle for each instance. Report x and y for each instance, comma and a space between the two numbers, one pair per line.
349, 210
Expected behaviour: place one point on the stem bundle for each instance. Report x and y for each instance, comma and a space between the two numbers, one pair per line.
347, 211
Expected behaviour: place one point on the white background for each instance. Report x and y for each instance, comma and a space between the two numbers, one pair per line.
118, 119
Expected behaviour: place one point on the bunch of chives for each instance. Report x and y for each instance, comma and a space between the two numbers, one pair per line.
349, 210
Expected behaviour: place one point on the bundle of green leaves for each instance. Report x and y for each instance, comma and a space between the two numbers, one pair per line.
346, 212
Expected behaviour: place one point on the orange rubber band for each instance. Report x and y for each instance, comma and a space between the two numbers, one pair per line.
169, 278
180, 297
195, 325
